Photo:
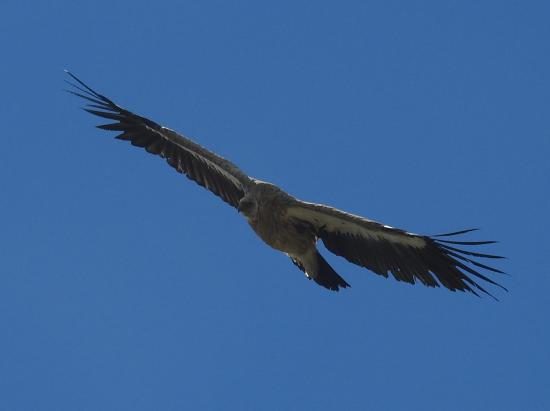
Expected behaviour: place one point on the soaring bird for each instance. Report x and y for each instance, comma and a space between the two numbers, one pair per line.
293, 226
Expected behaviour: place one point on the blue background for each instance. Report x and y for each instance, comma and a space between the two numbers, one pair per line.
125, 286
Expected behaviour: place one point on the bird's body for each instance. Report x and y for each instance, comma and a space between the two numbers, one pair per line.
275, 230
293, 226
270, 220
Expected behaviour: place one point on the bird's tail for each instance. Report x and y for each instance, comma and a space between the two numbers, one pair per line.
320, 271
327, 277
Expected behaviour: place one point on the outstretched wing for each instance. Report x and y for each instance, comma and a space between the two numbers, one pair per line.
204, 167
383, 249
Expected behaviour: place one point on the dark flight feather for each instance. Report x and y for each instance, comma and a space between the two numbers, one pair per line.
385, 250
202, 166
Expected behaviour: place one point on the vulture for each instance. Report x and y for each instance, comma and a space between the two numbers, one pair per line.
293, 226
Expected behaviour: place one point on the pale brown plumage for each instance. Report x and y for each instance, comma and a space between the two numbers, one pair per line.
293, 226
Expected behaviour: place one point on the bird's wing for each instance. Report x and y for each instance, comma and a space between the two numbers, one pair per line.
206, 168
383, 249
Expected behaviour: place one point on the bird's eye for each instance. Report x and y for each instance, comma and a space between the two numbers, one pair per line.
245, 205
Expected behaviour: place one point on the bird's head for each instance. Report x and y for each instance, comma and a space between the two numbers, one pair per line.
248, 207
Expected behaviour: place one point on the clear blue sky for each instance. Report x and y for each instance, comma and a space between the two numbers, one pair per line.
126, 287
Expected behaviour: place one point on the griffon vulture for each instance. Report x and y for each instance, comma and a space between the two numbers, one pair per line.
293, 226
